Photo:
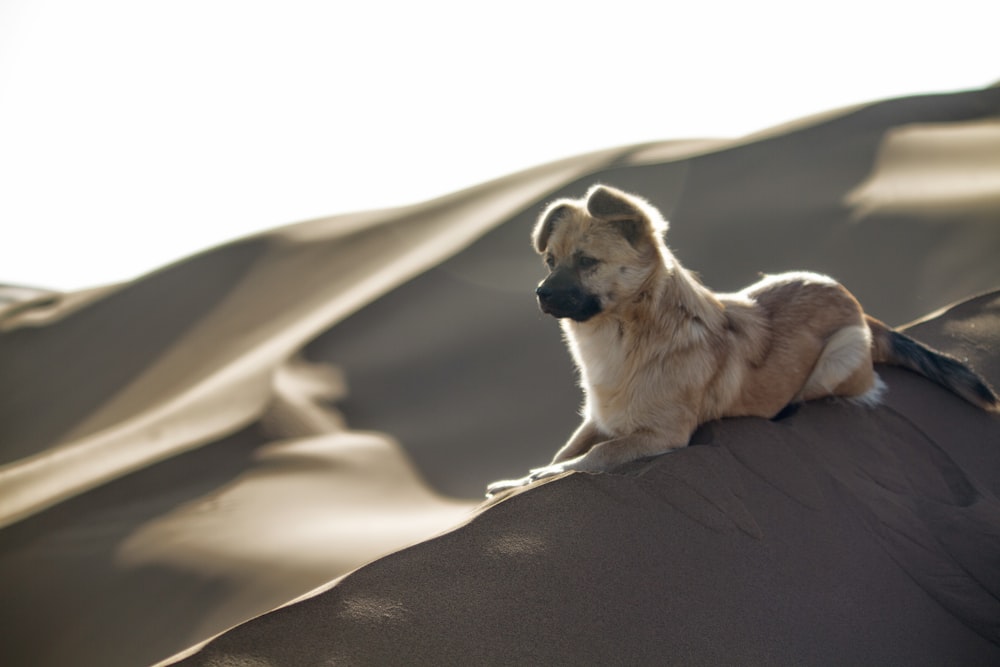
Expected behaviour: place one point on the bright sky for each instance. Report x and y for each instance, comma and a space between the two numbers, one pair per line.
133, 133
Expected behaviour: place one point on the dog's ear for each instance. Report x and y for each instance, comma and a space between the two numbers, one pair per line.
634, 218
611, 203
553, 213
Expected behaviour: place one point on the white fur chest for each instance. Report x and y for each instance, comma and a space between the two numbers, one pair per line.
606, 374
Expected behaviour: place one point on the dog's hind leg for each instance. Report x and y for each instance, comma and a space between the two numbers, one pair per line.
844, 368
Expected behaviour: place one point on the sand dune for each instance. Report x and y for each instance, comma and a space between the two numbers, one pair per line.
192, 449
936, 170
838, 536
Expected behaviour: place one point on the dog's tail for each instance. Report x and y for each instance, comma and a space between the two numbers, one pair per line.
892, 347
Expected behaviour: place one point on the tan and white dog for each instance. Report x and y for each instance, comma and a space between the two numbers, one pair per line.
659, 353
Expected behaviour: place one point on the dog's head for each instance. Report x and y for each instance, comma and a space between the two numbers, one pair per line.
599, 250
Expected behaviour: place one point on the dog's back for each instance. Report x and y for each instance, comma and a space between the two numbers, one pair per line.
813, 343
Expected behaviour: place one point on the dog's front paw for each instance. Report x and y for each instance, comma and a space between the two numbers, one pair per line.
505, 485
535, 475
547, 471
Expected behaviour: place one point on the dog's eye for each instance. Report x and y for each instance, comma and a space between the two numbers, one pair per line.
587, 262
550, 261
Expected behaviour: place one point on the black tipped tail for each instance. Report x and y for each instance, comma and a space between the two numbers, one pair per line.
941, 368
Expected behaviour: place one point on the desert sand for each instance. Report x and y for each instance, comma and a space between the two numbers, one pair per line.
311, 414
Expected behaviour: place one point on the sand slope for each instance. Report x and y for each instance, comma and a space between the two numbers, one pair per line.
193, 448
838, 536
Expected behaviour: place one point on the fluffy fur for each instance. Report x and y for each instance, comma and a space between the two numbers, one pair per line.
659, 353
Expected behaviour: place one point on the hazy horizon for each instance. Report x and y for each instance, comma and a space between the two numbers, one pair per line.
135, 135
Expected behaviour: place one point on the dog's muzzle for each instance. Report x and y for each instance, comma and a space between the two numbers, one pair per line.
561, 297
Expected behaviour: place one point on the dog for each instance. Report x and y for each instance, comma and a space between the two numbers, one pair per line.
659, 353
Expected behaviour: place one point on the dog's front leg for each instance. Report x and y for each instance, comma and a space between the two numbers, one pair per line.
610, 454
586, 436
605, 455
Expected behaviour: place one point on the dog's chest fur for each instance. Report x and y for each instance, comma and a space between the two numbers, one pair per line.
600, 353
616, 381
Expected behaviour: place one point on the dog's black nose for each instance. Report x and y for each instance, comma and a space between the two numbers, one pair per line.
543, 292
